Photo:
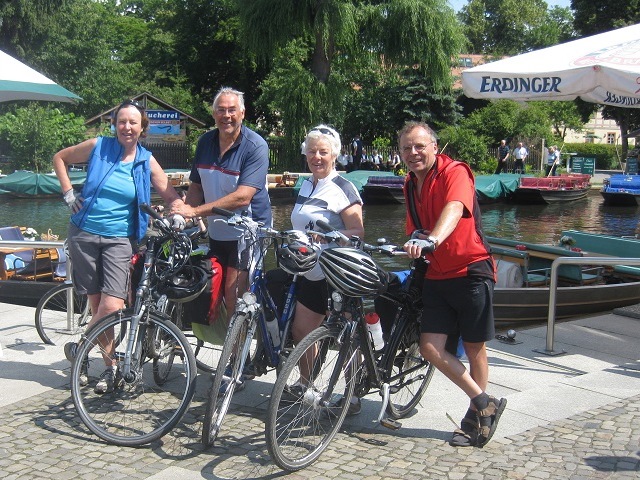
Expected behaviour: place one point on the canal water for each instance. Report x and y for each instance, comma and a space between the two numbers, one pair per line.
532, 223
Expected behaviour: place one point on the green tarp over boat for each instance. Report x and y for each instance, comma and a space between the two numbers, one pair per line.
29, 184
493, 188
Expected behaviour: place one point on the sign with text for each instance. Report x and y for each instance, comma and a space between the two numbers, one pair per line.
164, 122
585, 165
632, 166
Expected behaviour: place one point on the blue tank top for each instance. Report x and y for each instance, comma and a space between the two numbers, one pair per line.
112, 214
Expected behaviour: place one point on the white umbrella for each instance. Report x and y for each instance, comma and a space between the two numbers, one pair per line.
20, 82
603, 68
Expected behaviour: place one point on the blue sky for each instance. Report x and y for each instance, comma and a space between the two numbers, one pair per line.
458, 4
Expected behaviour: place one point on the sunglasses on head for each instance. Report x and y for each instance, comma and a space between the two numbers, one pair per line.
133, 103
324, 131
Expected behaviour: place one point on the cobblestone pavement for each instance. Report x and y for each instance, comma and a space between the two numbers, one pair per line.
42, 437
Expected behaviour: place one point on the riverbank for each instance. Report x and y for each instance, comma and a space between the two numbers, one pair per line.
575, 415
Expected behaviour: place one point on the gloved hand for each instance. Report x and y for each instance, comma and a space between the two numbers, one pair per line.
73, 202
177, 222
425, 245
333, 237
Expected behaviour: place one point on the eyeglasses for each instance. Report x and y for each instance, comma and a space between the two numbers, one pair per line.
226, 111
133, 103
419, 147
324, 131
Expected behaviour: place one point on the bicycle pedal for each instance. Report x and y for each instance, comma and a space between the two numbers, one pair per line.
390, 423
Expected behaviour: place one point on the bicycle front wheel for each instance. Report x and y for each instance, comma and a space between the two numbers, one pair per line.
236, 345
59, 321
138, 409
408, 373
300, 425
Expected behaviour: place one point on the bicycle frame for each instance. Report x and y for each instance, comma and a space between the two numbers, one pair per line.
354, 335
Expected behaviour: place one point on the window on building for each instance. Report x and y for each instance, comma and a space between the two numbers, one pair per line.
611, 138
465, 62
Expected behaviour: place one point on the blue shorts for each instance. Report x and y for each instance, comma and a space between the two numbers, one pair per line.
459, 306
100, 264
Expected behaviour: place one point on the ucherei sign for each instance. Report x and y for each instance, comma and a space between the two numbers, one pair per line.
603, 69
165, 125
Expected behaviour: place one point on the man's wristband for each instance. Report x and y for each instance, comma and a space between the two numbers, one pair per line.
434, 240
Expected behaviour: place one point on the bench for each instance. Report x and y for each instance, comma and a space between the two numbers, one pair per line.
530, 277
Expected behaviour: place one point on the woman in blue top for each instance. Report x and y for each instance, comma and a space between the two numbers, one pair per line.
106, 222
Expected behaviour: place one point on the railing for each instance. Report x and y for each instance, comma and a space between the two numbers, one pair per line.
553, 286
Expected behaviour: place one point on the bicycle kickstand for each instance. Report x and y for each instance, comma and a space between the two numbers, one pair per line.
387, 421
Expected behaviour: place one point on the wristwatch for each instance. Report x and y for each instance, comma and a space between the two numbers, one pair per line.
434, 240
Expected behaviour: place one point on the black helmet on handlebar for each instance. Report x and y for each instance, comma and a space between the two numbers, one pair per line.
297, 257
352, 272
185, 285
173, 254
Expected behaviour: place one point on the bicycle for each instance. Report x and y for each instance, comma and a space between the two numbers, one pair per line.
255, 311
305, 414
62, 315
146, 402
58, 324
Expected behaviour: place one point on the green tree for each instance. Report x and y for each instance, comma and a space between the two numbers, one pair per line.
329, 36
510, 27
35, 133
21, 20
597, 16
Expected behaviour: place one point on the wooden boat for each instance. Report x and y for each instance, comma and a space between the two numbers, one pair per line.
383, 190
621, 189
522, 292
563, 188
32, 271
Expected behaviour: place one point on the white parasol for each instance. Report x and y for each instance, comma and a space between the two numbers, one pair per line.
20, 82
603, 69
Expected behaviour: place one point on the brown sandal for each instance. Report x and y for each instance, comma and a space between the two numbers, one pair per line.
466, 435
489, 418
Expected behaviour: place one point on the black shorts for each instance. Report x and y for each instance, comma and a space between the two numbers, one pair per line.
459, 306
313, 295
226, 251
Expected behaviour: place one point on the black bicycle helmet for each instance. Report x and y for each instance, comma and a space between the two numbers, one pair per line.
172, 255
185, 285
353, 272
297, 257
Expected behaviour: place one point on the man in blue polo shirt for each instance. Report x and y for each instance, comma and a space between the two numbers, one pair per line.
229, 171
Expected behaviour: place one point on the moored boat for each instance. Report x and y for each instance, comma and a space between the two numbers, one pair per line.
562, 188
621, 189
522, 292
383, 190
28, 269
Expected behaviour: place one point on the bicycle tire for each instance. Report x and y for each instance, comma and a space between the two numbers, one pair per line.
298, 428
406, 390
218, 405
138, 411
51, 315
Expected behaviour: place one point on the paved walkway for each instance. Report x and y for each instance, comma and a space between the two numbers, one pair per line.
573, 416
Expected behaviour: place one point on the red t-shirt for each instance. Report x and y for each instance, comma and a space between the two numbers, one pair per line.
465, 251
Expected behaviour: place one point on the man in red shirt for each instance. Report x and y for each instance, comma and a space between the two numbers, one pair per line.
444, 219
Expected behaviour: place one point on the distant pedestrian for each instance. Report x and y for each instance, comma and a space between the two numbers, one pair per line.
503, 155
520, 154
356, 152
553, 160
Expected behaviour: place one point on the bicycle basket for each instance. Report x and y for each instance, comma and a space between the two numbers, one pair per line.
185, 285
353, 272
